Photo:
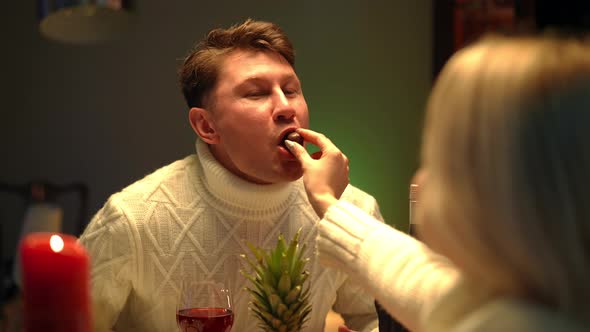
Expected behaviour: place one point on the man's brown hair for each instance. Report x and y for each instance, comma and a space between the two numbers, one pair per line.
199, 71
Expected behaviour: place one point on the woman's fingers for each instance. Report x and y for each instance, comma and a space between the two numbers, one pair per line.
315, 138
298, 151
325, 172
324, 143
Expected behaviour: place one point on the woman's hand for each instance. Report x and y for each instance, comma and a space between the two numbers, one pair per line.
325, 173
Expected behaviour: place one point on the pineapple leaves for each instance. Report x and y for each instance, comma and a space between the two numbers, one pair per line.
279, 298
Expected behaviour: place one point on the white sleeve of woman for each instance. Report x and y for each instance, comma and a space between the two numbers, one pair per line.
403, 274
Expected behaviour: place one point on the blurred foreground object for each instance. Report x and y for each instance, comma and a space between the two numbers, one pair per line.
84, 21
56, 284
39, 217
44, 212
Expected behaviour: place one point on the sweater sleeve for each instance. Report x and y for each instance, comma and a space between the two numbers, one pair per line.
353, 302
108, 242
403, 274
356, 307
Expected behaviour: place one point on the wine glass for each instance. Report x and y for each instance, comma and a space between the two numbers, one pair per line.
204, 306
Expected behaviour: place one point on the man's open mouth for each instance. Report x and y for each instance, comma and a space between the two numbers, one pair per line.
292, 136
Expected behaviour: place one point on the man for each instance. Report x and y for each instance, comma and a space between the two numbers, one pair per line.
193, 217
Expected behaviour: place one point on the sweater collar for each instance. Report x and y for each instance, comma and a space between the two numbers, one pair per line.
230, 190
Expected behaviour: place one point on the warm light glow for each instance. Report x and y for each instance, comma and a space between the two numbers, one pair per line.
56, 243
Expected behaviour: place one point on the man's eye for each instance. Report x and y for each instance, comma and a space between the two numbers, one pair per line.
290, 92
255, 94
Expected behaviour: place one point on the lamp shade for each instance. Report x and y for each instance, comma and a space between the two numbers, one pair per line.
83, 21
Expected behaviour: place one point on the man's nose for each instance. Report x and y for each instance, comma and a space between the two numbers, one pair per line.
283, 109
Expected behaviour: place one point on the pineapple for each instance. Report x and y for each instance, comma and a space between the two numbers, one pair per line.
280, 298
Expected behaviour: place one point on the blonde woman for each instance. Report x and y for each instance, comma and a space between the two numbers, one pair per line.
505, 209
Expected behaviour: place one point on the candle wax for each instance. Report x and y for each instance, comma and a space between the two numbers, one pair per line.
55, 277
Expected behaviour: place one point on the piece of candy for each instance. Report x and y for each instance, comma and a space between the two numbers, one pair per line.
295, 137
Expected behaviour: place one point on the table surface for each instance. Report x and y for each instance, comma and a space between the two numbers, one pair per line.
10, 319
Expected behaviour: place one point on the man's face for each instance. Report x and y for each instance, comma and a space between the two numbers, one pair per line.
256, 102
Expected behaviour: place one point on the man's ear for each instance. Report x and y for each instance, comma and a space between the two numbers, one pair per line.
203, 125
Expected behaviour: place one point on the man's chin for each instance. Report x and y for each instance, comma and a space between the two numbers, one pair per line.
294, 173
285, 175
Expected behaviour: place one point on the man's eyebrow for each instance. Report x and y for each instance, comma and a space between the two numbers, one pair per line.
253, 79
261, 79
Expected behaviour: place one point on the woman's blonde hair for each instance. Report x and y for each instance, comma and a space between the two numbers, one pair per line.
507, 150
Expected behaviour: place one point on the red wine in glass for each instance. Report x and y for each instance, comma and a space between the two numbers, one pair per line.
204, 306
205, 319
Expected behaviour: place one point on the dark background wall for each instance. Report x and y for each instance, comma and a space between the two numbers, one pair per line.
108, 114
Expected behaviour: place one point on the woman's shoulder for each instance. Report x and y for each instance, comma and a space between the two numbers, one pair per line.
469, 309
516, 315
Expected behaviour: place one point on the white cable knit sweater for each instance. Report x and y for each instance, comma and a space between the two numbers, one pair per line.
192, 218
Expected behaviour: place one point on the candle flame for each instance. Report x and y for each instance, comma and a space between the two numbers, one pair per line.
56, 243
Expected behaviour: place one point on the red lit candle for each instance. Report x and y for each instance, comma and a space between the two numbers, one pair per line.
55, 279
